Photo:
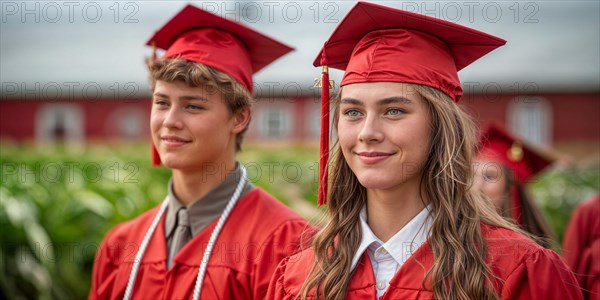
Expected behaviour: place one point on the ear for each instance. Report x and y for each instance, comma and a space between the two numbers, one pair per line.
241, 118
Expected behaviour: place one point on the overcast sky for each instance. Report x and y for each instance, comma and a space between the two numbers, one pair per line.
76, 45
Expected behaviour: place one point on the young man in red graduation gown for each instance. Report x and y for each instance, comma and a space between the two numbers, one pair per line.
405, 221
215, 236
581, 246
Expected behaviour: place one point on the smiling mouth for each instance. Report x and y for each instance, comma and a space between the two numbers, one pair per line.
173, 141
373, 157
373, 154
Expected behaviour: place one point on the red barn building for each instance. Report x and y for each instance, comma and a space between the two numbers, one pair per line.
567, 121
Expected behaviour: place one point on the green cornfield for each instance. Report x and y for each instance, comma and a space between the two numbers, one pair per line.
57, 203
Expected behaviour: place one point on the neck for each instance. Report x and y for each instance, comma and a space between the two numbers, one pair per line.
189, 186
388, 211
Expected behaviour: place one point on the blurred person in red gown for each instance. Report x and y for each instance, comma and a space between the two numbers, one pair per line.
581, 246
504, 165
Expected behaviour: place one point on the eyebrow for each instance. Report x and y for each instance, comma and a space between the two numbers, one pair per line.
384, 101
186, 97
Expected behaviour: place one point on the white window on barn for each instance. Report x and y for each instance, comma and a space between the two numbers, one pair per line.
126, 123
274, 123
57, 123
531, 119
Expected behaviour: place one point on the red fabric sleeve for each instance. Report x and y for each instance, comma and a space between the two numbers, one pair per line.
283, 242
276, 290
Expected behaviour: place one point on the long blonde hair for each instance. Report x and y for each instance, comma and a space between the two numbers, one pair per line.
459, 269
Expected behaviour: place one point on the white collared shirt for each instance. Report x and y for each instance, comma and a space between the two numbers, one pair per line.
387, 258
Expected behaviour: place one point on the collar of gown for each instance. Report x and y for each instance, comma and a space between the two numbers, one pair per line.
205, 209
403, 244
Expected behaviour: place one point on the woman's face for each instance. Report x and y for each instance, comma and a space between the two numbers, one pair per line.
491, 180
192, 127
384, 133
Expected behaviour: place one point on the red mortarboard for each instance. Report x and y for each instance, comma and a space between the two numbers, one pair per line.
522, 159
374, 43
230, 47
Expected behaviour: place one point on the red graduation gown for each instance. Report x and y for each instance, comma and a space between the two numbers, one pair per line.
524, 270
581, 246
258, 234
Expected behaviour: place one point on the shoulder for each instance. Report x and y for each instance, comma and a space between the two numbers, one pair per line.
500, 238
518, 262
592, 203
507, 249
584, 224
588, 209
266, 221
293, 270
260, 199
262, 207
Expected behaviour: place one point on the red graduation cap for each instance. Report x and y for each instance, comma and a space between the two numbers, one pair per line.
523, 160
374, 43
230, 47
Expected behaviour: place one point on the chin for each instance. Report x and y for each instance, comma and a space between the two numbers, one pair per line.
170, 165
385, 180
370, 182
172, 162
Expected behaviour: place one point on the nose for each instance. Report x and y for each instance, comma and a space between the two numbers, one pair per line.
370, 131
172, 119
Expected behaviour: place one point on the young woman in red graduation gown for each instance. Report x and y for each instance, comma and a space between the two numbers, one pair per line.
581, 246
503, 166
403, 219
237, 233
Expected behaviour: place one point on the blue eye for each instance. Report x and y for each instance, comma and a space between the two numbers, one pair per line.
194, 107
394, 112
352, 113
161, 103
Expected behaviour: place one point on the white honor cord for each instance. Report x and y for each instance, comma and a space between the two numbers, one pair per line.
207, 251
216, 232
140, 253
